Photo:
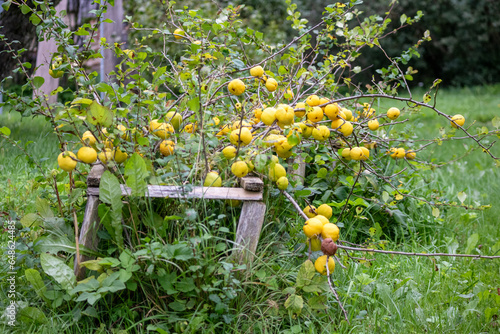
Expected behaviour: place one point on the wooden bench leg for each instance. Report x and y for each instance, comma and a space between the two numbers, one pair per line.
249, 227
88, 232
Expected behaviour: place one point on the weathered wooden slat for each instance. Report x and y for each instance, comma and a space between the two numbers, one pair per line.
191, 192
88, 232
248, 230
252, 183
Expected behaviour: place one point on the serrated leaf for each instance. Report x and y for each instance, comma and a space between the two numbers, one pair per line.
294, 304
57, 269
194, 104
136, 174
461, 197
110, 193
305, 274
99, 115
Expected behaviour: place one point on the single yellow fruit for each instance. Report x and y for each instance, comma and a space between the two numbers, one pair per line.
241, 136
239, 124
366, 153
268, 116
315, 115
321, 133
312, 227
285, 114
373, 125
229, 152
212, 180
190, 128
256, 71
332, 111
87, 155
277, 171
315, 244
410, 155
320, 265
356, 153
312, 100
337, 123
179, 33
236, 87
330, 231
175, 119
282, 183
271, 84
300, 113
323, 101
400, 153
66, 162
310, 211
106, 155
289, 94
120, 156
325, 210
393, 113
307, 130
239, 168
89, 138
167, 147
322, 218
346, 153
346, 114
346, 129
257, 113
459, 119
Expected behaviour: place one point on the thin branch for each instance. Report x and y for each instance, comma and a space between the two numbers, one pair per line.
334, 291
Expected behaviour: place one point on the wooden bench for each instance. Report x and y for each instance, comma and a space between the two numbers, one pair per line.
249, 225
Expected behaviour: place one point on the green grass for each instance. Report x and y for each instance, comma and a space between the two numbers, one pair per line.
393, 294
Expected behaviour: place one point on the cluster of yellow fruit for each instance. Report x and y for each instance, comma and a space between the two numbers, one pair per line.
318, 227
400, 153
356, 153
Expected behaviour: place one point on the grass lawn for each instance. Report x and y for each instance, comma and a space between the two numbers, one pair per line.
393, 294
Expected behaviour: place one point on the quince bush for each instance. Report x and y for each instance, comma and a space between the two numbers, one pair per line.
229, 104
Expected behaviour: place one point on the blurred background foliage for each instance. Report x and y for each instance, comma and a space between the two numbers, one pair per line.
465, 33
463, 51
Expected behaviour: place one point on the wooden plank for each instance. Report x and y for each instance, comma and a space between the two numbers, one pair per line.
88, 231
248, 231
94, 177
190, 192
252, 183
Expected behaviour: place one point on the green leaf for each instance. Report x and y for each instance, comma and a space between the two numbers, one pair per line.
38, 82
322, 173
5, 131
25, 9
435, 212
98, 114
461, 197
54, 244
496, 122
35, 19
194, 104
32, 315
471, 243
136, 174
6, 5
89, 286
43, 208
293, 139
34, 277
110, 193
31, 220
317, 302
294, 304
305, 274
402, 19
57, 269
